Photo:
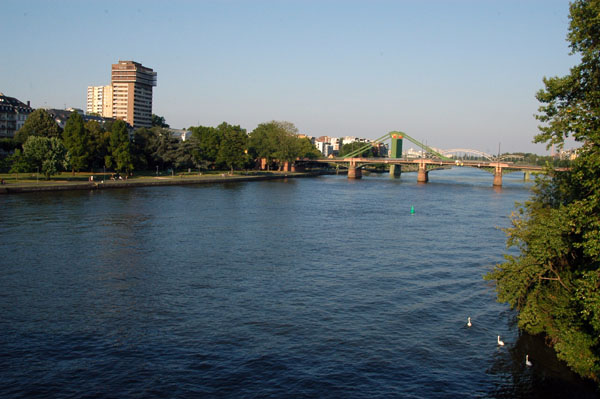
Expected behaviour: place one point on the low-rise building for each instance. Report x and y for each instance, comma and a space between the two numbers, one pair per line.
181, 134
13, 114
61, 116
325, 148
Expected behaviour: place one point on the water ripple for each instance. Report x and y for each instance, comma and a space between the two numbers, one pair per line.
306, 288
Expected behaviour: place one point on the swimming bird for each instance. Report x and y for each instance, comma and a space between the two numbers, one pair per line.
500, 343
527, 362
469, 322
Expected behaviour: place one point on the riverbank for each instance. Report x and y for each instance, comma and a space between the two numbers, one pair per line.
64, 185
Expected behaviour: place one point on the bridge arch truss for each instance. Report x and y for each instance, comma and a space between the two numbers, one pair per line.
478, 153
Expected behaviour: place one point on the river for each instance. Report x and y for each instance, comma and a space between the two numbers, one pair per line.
313, 287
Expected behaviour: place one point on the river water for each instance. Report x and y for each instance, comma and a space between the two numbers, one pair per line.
318, 287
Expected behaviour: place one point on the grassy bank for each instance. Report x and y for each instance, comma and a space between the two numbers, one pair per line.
21, 183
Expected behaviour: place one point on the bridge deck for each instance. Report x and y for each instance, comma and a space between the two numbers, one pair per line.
404, 161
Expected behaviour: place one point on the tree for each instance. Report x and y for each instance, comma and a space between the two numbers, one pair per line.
18, 162
159, 121
307, 149
351, 147
279, 140
48, 155
142, 149
119, 148
186, 154
208, 140
7, 148
233, 146
39, 123
287, 147
164, 146
98, 143
76, 140
262, 142
555, 281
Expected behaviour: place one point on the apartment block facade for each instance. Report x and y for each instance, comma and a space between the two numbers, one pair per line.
99, 101
13, 114
132, 84
128, 97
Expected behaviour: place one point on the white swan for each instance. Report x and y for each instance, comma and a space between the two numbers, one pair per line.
527, 362
469, 322
500, 343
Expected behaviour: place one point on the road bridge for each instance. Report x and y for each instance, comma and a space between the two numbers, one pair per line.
435, 159
425, 165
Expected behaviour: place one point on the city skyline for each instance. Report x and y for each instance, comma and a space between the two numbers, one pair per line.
453, 74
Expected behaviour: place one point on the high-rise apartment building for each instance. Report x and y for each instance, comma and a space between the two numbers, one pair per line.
99, 101
132, 84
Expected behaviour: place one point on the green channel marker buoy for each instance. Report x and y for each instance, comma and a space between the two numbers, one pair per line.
412, 210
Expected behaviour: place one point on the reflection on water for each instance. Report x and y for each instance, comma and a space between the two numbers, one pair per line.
317, 287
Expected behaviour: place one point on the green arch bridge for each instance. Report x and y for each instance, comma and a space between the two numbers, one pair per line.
434, 160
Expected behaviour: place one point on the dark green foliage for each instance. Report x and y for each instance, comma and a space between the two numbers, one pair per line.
187, 154
233, 146
77, 141
350, 147
7, 148
162, 146
120, 155
307, 150
277, 140
17, 163
555, 281
8, 145
38, 123
159, 121
48, 155
208, 140
262, 143
142, 153
158, 147
98, 144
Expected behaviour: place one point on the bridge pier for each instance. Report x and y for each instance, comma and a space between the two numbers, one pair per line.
395, 170
527, 175
422, 174
353, 171
497, 177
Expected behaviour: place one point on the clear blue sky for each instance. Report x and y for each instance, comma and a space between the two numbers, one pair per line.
453, 73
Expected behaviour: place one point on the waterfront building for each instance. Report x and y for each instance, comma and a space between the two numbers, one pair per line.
325, 148
61, 116
335, 143
132, 85
13, 114
382, 149
128, 97
412, 153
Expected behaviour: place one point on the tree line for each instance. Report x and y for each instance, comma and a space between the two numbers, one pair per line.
42, 146
554, 282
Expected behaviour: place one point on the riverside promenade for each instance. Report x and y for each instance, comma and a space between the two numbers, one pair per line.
64, 185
